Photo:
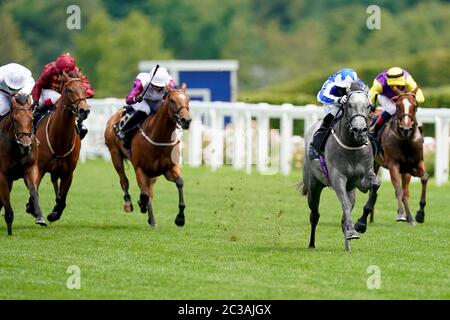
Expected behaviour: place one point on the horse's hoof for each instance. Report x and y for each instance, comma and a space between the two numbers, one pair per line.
312, 247
360, 227
351, 234
179, 221
52, 217
29, 209
401, 218
9, 230
412, 223
152, 223
41, 221
420, 216
128, 207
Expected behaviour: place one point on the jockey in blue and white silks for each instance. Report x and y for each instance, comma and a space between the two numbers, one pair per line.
332, 95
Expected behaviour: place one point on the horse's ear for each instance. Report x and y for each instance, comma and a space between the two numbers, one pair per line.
415, 90
168, 88
65, 76
184, 87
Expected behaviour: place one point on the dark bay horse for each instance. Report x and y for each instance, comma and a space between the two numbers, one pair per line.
60, 144
349, 161
402, 145
19, 154
154, 152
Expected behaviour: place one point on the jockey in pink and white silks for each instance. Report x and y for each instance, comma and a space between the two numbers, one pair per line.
332, 95
14, 78
146, 96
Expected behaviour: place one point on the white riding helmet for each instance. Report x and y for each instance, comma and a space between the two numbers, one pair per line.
16, 76
345, 77
160, 78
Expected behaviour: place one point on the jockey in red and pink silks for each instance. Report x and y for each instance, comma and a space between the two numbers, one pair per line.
49, 85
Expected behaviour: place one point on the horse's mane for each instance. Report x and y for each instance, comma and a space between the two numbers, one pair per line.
358, 85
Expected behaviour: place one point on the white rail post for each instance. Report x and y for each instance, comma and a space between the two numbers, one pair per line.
239, 139
263, 141
217, 131
441, 158
310, 119
248, 142
195, 140
286, 127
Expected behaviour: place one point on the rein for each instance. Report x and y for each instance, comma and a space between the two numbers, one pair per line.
345, 146
50, 145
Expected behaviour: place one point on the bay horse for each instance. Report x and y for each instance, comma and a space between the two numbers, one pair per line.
402, 145
154, 152
19, 154
60, 143
349, 162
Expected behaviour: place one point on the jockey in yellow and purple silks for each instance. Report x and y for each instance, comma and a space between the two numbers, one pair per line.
382, 90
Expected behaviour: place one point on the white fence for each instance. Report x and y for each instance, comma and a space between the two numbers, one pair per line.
250, 132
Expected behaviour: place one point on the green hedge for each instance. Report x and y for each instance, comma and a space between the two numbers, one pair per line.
429, 69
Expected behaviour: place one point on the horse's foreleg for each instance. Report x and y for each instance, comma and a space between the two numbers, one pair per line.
117, 160
420, 215
376, 168
339, 185
29, 207
174, 175
145, 202
394, 171
374, 185
314, 191
5, 190
64, 186
406, 179
31, 178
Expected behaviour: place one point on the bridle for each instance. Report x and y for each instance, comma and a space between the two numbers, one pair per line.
350, 121
176, 116
20, 134
405, 115
73, 106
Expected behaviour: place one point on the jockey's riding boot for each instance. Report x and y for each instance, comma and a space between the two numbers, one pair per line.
126, 132
38, 112
81, 129
318, 143
382, 119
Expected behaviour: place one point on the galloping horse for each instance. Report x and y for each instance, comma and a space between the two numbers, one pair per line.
349, 163
153, 152
403, 154
59, 147
19, 154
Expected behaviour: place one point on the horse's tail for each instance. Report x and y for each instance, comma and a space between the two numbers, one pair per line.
301, 187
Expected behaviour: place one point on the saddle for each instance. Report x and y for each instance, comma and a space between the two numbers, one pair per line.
126, 115
39, 117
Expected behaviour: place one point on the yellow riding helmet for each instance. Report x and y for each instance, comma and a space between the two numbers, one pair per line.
396, 77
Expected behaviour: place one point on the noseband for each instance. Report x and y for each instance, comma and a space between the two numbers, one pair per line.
73, 106
20, 134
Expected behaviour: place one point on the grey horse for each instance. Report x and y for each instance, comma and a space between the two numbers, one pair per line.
350, 164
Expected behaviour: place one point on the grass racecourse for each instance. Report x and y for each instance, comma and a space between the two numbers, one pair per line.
245, 237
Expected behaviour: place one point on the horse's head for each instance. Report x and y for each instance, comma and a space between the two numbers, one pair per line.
22, 122
74, 96
357, 112
179, 106
406, 111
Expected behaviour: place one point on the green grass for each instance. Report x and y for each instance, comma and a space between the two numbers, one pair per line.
246, 237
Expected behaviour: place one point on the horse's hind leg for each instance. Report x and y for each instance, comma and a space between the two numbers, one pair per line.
361, 224
5, 190
376, 168
314, 191
145, 201
406, 179
117, 160
64, 186
394, 171
420, 215
174, 175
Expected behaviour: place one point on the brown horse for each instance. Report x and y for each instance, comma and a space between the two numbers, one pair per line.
153, 153
19, 154
60, 144
403, 154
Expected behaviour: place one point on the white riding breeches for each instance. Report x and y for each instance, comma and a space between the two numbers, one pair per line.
331, 108
48, 94
142, 106
387, 104
5, 103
